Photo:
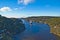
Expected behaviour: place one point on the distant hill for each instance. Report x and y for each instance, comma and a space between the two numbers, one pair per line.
10, 27
40, 18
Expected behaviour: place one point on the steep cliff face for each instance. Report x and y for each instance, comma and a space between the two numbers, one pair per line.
10, 27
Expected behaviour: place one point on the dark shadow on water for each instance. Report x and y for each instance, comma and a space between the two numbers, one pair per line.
57, 37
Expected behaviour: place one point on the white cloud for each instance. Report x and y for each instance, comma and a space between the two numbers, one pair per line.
15, 8
25, 2
20, 1
5, 9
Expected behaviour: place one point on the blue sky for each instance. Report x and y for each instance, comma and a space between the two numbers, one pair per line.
25, 8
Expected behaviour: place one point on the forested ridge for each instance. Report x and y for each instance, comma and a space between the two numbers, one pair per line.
10, 27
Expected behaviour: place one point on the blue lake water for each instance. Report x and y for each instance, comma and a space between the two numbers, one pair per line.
35, 31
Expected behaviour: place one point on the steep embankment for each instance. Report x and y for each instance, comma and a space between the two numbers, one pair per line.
10, 27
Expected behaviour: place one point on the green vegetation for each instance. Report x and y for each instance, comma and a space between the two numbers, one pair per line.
10, 27
53, 22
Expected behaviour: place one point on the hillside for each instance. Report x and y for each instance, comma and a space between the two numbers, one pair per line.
10, 27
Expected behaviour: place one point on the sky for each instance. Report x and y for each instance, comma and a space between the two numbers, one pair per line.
26, 8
